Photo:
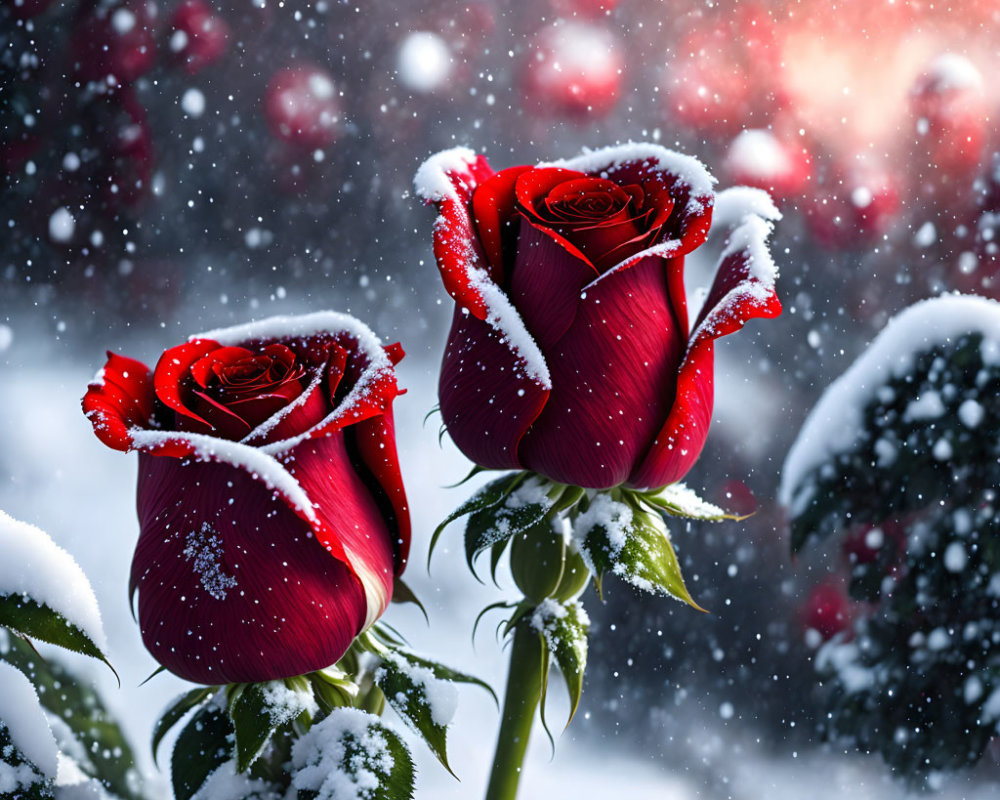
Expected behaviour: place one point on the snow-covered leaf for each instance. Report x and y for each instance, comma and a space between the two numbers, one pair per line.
201, 748
351, 754
520, 509
678, 500
563, 628
104, 752
489, 495
43, 592
28, 752
424, 701
633, 544
176, 711
259, 709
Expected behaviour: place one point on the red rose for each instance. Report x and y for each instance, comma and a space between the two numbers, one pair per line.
272, 513
570, 353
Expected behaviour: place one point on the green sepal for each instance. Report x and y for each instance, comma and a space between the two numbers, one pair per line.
446, 673
201, 748
565, 638
175, 713
490, 495
484, 612
645, 559
402, 593
408, 697
677, 500
255, 720
27, 617
494, 526
395, 784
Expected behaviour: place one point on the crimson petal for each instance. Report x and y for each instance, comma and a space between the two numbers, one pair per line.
487, 399
743, 289
494, 210
119, 399
448, 180
615, 368
171, 369
235, 591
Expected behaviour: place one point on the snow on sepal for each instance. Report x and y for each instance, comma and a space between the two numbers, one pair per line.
29, 756
677, 500
351, 755
622, 538
562, 629
257, 710
44, 594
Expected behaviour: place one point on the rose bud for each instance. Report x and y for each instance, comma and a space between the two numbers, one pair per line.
116, 41
759, 158
576, 70
948, 104
826, 611
570, 351
302, 106
271, 509
199, 35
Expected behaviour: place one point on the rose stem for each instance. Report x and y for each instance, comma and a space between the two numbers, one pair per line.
524, 687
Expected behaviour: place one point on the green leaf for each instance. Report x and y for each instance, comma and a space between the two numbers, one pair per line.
402, 593
34, 785
490, 495
353, 750
678, 500
445, 673
36, 620
201, 748
564, 628
176, 712
259, 709
413, 691
110, 756
635, 546
521, 509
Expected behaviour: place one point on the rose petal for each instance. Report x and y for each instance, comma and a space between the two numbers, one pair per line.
494, 210
353, 522
121, 398
307, 410
614, 370
235, 592
448, 179
487, 399
171, 370
221, 421
545, 286
375, 440
743, 289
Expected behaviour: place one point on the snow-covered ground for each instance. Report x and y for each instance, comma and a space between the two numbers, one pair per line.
56, 475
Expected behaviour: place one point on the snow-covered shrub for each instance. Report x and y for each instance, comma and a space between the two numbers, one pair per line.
901, 457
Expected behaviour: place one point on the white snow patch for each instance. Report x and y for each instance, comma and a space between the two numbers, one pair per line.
843, 658
21, 712
928, 405
758, 154
951, 71
193, 103
32, 564
955, 557
613, 517
971, 413
62, 225
440, 696
225, 783
424, 61
343, 757
834, 424
432, 182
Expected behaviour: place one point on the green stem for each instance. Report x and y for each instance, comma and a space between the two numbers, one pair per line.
524, 688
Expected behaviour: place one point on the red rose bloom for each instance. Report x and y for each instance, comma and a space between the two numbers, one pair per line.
272, 513
570, 352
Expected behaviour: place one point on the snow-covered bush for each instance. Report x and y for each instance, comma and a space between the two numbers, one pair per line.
901, 458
